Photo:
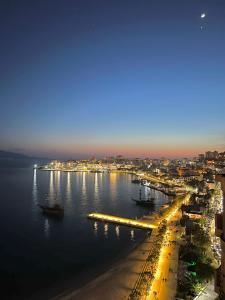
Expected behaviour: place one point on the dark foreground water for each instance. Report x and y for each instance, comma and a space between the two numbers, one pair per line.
38, 252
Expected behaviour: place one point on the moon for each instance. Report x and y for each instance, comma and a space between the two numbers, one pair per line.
203, 15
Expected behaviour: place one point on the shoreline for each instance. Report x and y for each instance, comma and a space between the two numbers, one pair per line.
117, 281
79, 282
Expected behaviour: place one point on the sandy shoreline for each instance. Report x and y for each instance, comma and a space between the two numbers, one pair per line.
79, 282
117, 282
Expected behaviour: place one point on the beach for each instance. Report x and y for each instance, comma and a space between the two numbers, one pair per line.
117, 282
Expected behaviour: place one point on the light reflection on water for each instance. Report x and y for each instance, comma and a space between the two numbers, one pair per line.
68, 188
117, 231
58, 186
113, 185
74, 239
34, 191
101, 188
95, 228
106, 227
84, 188
51, 195
96, 187
46, 227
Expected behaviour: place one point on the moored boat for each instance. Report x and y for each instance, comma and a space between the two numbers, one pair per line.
55, 210
145, 202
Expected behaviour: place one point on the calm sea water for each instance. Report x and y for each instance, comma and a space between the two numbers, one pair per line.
38, 252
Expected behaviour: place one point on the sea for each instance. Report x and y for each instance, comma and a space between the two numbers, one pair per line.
40, 255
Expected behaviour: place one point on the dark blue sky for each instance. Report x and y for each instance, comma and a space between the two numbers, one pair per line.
142, 78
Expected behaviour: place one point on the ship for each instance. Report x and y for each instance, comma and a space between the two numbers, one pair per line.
142, 202
55, 210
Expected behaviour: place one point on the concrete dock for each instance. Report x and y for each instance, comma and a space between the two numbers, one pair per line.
121, 221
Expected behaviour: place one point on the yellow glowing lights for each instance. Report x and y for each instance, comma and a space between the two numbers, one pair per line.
119, 220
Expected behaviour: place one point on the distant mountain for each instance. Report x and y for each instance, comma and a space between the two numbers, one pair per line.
7, 154
12, 159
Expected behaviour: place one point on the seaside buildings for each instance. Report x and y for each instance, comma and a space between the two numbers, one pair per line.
178, 170
220, 232
211, 154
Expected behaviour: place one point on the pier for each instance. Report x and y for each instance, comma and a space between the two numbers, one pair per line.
121, 221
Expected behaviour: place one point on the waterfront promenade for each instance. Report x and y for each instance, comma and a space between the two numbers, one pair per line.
119, 281
165, 282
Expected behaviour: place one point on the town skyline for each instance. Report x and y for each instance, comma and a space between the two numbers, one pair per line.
214, 152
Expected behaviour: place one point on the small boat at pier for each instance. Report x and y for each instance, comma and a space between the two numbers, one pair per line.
142, 202
55, 210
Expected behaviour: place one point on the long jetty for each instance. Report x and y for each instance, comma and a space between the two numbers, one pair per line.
121, 221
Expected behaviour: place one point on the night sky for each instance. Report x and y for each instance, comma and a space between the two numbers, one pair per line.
137, 78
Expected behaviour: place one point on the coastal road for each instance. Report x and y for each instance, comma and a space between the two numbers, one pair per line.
165, 282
